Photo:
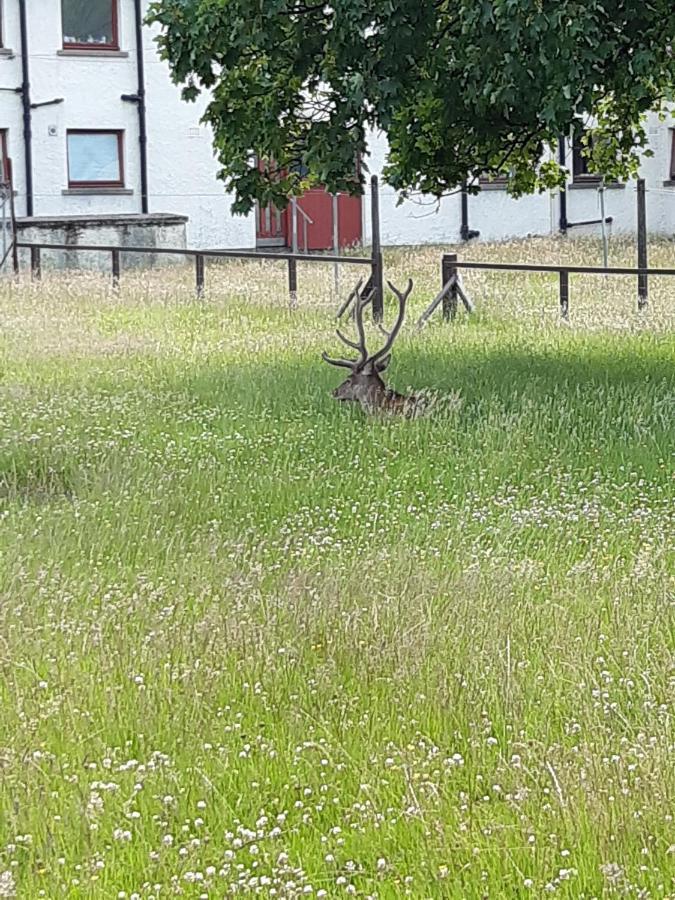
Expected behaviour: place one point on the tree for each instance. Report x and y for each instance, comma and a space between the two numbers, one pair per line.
460, 87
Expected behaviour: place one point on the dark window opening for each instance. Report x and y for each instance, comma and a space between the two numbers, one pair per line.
580, 170
493, 179
95, 159
89, 24
671, 176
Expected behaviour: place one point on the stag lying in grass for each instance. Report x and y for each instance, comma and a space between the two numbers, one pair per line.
365, 385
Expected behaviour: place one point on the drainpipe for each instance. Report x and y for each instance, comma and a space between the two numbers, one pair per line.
25, 98
563, 225
465, 232
142, 117
139, 99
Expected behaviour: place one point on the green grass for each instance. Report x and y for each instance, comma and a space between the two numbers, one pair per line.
252, 642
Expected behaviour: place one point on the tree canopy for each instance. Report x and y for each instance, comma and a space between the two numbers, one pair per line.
460, 87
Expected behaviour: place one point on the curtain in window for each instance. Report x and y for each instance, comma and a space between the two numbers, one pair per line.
88, 22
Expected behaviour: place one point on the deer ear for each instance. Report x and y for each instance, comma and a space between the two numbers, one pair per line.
382, 364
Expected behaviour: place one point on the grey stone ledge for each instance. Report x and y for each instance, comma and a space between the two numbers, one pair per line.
95, 54
85, 221
591, 185
127, 192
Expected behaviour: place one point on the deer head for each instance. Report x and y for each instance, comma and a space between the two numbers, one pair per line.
364, 385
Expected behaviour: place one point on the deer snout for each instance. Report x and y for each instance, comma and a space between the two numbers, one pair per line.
340, 393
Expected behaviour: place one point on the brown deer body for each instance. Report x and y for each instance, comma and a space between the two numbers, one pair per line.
365, 385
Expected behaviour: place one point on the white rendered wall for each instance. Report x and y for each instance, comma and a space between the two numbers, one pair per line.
182, 168
499, 217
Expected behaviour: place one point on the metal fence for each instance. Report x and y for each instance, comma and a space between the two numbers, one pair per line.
451, 290
374, 285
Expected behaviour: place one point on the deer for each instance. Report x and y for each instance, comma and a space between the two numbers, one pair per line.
365, 385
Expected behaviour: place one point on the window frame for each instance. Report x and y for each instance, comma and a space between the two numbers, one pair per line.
579, 161
494, 181
114, 45
103, 185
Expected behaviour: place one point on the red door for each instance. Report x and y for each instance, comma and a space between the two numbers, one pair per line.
316, 225
270, 226
315, 222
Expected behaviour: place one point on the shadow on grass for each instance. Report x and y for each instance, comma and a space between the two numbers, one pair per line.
506, 376
527, 407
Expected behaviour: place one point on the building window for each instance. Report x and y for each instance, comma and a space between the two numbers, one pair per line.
579, 161
496, 181
95, 159
90, 23
672, 157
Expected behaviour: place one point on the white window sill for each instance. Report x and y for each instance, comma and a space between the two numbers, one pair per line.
96, 54
591, 185
6, 53
492, 185
70, 192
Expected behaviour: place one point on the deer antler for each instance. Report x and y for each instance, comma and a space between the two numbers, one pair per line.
360, 346
364, 360
402, 297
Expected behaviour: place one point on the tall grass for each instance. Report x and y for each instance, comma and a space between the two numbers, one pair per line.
252, 642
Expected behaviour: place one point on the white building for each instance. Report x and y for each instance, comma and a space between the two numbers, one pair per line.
71, 122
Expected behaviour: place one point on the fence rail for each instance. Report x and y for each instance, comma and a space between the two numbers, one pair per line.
451, 290
199, 256
218, 254
580, 270
374, 261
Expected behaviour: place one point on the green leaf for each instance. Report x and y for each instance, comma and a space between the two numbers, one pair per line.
459, 88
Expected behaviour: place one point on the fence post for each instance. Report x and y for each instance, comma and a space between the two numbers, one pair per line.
199, 274
35, 264
115, 268
564, 294
448, 273
336, 242
294, 225
293, 282
377, 264
643, 283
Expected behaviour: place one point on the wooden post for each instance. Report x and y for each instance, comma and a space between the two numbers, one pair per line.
564, 294
293, 282
115, 268
449, 273
199, 274
35, 264
294, 225
643, 284
336, 242
377, 264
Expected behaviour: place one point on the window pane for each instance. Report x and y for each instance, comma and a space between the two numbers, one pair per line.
93, 157
88, 22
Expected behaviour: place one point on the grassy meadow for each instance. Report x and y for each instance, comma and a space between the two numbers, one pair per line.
255, 643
